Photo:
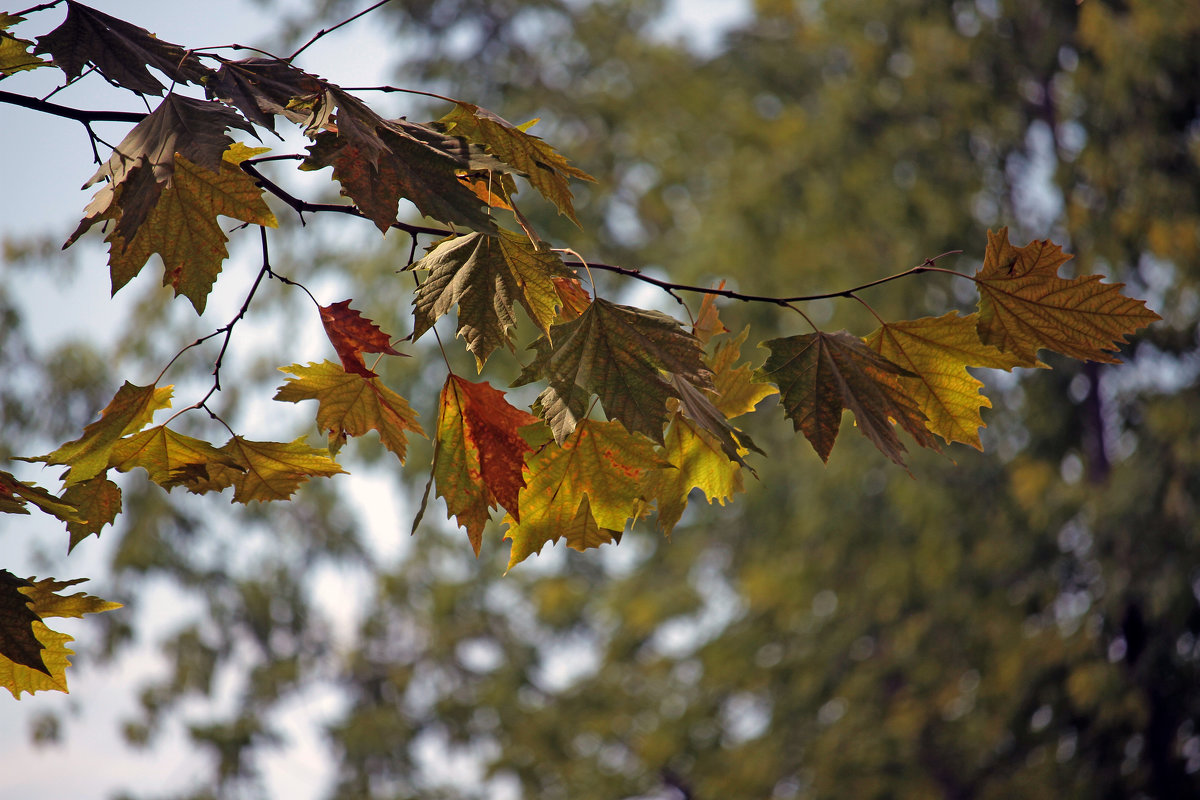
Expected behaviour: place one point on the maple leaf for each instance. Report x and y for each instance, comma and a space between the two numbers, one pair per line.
1025, 306
696, 406
351, 404
119, 50
479, 456
129, 411
544, 167
821, 374
182, 225
193, 129
32, 656
98, 500
619, 353
708, 321
486, 276
700, 462
572, 297
14, 494
14, 52
261, 88
17, 642
937, 351
736, 390
352, 334
601, 463
170, 458
379, 161
264, 470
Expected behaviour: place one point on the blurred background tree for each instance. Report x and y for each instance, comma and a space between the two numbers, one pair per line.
1023, 622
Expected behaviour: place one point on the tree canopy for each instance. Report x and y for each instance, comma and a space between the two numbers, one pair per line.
922, 130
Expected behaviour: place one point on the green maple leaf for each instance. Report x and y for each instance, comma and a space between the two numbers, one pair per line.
624, 355
937, 351
129, 411
601, 464
487, 276
820, 374
14, 52
546, 169
182, 225
99, 502
119, 50
351, 404
699, 461
1024, 305
479, 456
33, 657
264, 471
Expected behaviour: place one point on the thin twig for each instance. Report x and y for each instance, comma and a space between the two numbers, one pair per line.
35, 9
326, 31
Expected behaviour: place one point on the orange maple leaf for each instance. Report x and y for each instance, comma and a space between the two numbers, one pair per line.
352, 334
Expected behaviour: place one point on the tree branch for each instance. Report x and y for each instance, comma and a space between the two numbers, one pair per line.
326, 31
67, 112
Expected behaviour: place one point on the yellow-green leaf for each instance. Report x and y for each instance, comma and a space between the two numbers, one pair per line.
487, 276
600, 463
128, 412
698, 462
938, 350
546, 169
351, 404
23, 606
170, 458
265, 470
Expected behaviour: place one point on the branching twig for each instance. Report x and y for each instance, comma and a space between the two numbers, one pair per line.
326, 31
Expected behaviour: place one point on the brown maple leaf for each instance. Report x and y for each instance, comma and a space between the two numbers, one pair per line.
352, 334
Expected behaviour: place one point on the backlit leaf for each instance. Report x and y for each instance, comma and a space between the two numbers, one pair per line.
572, 297
736, 390
1025, 306
480, 456
937, 351
546, 169
352, 334
14, 494
41, 599
183, 228
487, 276
170, 458
820, 374
351, 404
619, 353
98, 500
699, 462
129, 411
266, 470
14, 52
600, 463
17, 641
120, 51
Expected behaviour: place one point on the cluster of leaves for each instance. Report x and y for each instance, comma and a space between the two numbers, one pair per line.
636, 409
